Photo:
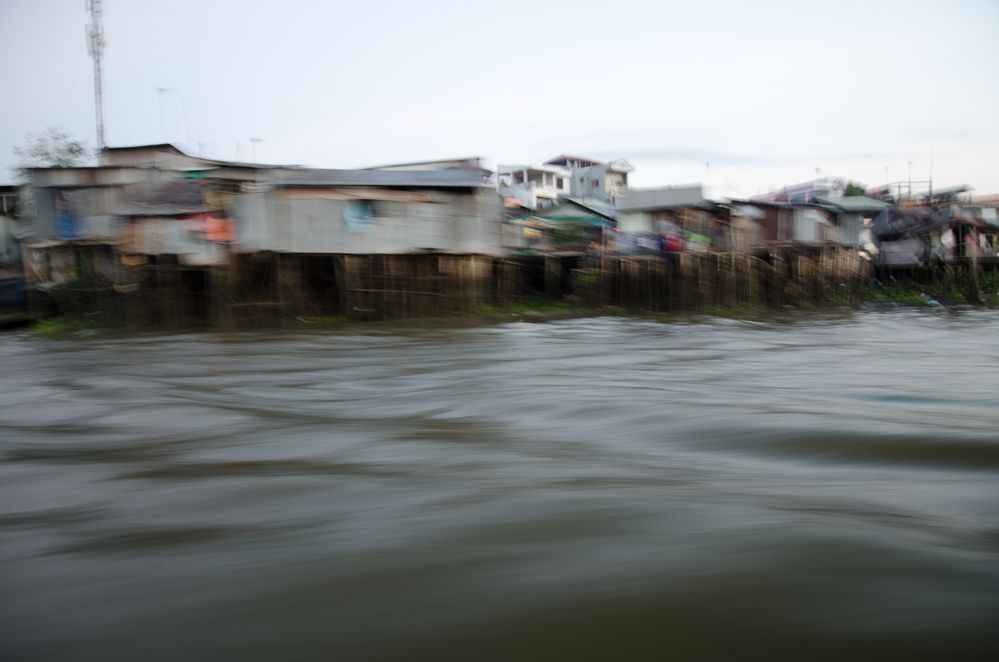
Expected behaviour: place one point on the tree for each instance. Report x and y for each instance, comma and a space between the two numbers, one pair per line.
52, 149
855, 189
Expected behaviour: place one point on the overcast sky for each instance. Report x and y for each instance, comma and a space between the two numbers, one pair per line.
768, 93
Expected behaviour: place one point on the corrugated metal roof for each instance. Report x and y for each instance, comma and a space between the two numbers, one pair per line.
473, 162
174, 199
173, 149
216, 163
596, 206
447, 178
767, 203
894, 222
661, 198
854, 204
157, 146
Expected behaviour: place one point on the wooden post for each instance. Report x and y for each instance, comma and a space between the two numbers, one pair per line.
976, 285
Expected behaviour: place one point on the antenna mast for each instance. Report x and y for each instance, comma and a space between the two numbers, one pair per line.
95, 46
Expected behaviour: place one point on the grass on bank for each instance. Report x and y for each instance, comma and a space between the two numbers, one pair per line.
61, 325
948, 291
895, 292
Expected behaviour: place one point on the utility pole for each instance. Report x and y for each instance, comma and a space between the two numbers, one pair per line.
95, 47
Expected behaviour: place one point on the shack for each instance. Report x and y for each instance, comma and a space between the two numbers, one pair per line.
912, 237
184, 218
572, 224
787, 222
321, 211
854, 217
73, 217
679, 213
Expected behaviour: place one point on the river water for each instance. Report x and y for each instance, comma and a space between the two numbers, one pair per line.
591, 489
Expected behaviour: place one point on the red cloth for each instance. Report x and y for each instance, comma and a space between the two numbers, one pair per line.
674, 244
216, 228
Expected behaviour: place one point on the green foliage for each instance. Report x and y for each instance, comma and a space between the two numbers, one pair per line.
62, 325
895, 292
54, 148
855, 189
570, 233
950, 288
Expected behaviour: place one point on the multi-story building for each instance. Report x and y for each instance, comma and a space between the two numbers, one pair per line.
540, 186
593, 179
533, 186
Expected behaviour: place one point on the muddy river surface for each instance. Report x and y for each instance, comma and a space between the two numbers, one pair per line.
590, 489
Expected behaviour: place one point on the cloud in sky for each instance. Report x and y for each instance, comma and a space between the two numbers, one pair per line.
762, 92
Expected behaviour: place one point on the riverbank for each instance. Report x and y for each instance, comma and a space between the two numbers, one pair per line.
474, 289
68, 327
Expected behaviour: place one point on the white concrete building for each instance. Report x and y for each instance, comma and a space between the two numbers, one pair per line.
534, 186
594, 180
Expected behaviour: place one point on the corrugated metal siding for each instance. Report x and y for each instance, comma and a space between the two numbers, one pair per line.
173, 236
850, 226
809, 225
461, 223
634, 221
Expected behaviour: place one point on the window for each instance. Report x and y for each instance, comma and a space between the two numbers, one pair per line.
595, 183
358, 216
